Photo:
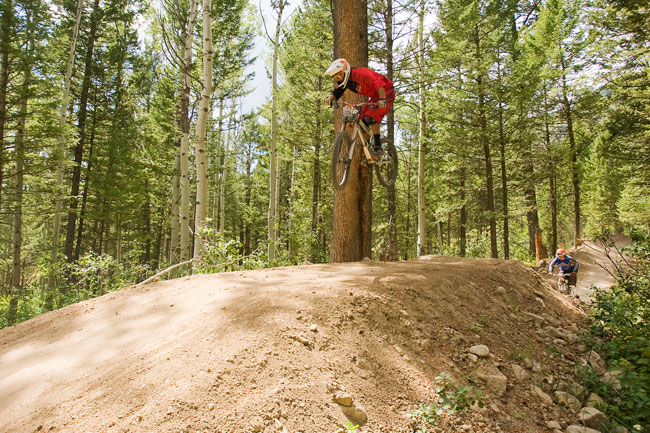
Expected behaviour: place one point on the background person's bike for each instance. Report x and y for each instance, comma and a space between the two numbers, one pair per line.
385, 166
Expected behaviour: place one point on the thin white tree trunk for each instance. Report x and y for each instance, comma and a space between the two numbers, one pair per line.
200, 145
422, 207
218, 198
60, 148
273, 181
185, 138
174, 253
224, 169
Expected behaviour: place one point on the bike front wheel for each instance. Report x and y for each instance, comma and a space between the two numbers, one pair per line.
386, 166
341, 159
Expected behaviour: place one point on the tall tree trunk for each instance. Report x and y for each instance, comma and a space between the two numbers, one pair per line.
463, 212
504, 174
185, 134
7, 9
393, 254
422, 207
273, 181
552, 174
485, 144
174, 241
224, 170
200, 144
60, 150
575, 180
352, 216
84, 196
16, 274
249, 193
316, 181
81, 127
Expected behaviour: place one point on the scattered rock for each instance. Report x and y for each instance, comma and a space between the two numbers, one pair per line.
567, 400
344, 400
554, 425
572, 388
535, 317
257, 424
594, 400
355, 414
496, 382
521, 375
481, 350
611, 378
596, 362
593, 418
313, 328
546, 399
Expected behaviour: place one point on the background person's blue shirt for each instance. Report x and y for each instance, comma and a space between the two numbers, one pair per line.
567, 264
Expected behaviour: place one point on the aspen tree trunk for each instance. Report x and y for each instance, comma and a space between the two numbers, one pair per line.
575, 180
60, 149
463, 212
200, 144
16, 274
185, 135
224, 171
218, 167
273, 175
174, 241
422, 206
352, 218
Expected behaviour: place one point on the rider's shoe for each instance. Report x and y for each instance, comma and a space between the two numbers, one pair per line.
376, 152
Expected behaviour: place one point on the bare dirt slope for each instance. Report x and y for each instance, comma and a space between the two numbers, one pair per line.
269, 350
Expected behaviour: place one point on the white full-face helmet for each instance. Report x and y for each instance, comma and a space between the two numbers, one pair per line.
337, 66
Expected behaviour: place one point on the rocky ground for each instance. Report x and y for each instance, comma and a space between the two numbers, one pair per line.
308, 349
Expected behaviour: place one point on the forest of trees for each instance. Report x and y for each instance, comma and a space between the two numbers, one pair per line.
521, 126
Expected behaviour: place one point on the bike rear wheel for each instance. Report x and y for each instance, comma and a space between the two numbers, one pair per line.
341, 159
386, 166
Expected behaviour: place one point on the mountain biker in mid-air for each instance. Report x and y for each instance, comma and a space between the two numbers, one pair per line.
364, 81
568, 266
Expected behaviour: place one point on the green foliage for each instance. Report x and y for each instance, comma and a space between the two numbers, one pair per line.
451, 398
350, 427
621, 317
220, 255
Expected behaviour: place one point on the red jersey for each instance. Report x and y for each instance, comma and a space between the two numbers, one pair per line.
365, 82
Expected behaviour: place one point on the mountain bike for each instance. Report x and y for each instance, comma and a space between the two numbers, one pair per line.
385, 165
563, 282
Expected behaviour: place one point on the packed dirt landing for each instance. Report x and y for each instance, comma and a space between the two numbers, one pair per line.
298, 349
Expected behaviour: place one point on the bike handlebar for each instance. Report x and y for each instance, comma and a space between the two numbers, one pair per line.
337, 104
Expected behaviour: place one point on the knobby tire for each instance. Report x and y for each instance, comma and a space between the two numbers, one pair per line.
341, 160
386, 166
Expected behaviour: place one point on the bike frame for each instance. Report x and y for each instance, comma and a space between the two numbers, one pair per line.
351, 114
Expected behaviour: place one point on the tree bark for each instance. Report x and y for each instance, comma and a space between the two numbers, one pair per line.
575, 179
5, 41
485, 144
422, 207
185, 135
60, 149
352, 218
273, 174
393, 253
81, 127
200, 144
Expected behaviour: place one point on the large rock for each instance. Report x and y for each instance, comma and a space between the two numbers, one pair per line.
521, 375
593, 418
594, 400
355, 414
496, 382
546, 399
481, 350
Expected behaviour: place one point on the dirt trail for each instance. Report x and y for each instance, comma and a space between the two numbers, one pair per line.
269, 350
